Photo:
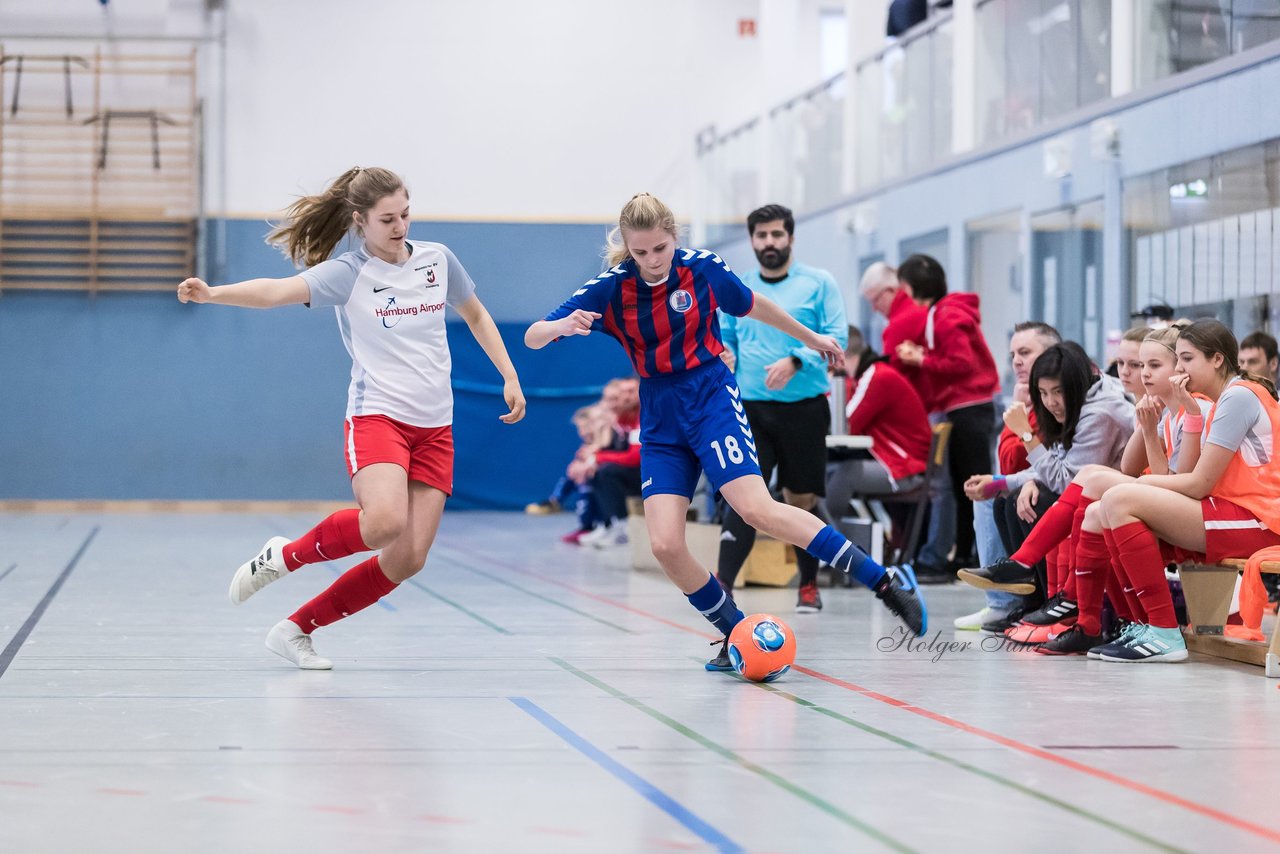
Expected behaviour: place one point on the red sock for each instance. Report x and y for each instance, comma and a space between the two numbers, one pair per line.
337, 536
355, 590
1050, 529
1070, 590
1093, 560
1120, 590
1139, 552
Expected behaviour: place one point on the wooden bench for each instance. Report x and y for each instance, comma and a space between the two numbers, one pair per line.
1208, 589
771, 562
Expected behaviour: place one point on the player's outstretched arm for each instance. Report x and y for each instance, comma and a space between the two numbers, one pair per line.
486, 333
255, 293
543, 332
767, 311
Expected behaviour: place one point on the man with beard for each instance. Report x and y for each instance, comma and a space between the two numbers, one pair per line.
784, 387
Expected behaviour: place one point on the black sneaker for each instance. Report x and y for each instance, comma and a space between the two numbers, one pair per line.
1057, 610
1000, 625
1071, 642
1007, 575
900, 594
721, 662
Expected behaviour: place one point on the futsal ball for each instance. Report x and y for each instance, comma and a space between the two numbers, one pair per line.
762, 648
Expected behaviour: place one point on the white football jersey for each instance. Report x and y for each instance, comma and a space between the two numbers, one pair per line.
392, 322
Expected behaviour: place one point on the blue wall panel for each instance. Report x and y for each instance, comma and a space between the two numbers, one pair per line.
133, 396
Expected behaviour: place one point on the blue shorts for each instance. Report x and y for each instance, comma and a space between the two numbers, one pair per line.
690, 421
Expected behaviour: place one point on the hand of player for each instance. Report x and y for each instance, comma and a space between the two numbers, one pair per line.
1022, 393
514, 397
194, 290
1027, 499
578, 323
1147, 413
778, 374
1017, 419
730, 360
829, 348
910, 353
1182, 398
975, 487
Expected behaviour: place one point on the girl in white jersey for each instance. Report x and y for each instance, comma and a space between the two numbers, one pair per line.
389, 295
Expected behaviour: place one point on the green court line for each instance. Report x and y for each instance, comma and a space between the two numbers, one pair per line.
973, 769
472, 614
500, 580
724, 752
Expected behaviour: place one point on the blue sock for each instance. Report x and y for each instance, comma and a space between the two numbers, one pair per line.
715, 604
831, 546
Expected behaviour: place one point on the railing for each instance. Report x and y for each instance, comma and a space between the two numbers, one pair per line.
1033, 61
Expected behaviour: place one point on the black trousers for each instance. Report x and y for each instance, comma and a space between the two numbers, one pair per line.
968, 453
612, 484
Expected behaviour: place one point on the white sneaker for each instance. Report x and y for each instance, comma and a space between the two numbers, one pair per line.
259, 572
614, 537
973, 622
288, 641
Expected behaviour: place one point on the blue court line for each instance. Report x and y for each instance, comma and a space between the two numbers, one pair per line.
654, 795
4, 574
11, 651
383, 602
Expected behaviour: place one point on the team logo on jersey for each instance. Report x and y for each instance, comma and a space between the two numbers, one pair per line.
431, 277
681, 301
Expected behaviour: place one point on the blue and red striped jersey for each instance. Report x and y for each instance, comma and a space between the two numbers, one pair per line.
669, 327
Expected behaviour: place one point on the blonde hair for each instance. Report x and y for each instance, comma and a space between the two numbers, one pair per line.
1137, 334
315, 224
1167, 337
642, 213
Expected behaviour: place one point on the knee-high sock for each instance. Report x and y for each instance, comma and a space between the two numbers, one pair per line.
1139, 552
715, 603
805, 561
736, 540
830, 545
1123, 598
1077, 523
1051, 528
338, 535
1093, 562
356, 589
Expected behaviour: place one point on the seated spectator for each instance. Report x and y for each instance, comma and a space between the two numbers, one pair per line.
882, 405
573, 490
1072, 617
1127, 365
1225, 507
1258, 356
614, 469
1082, 418
1029, 340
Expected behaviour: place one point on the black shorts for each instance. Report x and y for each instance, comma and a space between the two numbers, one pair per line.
792, 437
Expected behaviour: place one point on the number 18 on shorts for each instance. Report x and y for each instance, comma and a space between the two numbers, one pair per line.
690, 422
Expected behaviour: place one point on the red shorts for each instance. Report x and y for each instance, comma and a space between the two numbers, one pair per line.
1230, 531
426, 453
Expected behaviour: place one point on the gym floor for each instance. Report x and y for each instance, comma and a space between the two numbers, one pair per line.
524, 695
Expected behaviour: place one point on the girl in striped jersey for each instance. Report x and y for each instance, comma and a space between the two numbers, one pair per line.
1227, 506
389, 295
660, 302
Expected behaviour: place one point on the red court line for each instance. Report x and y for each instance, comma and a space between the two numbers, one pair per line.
1132, 785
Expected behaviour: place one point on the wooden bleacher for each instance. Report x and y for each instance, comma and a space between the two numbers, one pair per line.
1208, 589
99, 167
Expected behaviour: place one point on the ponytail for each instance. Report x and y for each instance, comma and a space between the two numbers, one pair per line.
1265, 382
315, 224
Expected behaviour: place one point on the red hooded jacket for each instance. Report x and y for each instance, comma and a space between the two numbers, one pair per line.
958, 367
906, 323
